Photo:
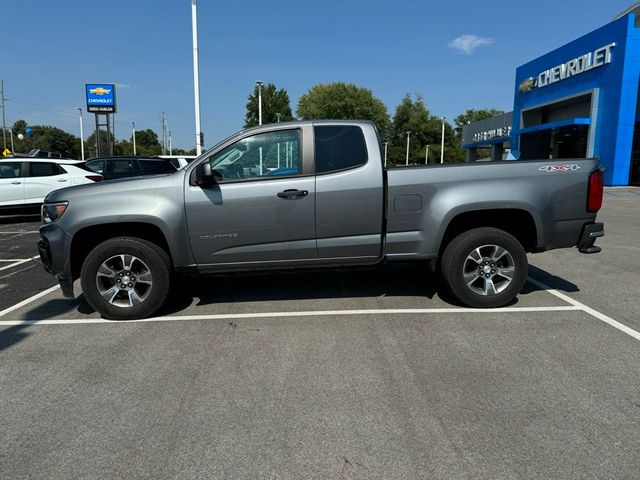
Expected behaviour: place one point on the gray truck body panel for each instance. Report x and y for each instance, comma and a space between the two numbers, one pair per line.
362, 215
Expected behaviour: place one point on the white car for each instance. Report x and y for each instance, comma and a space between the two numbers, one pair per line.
24, 182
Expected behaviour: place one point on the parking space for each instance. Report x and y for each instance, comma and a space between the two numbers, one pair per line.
365, 374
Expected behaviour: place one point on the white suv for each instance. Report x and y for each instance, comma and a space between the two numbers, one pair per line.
24, 182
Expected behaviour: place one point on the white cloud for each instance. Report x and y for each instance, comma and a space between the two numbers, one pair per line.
125, 86
468, 43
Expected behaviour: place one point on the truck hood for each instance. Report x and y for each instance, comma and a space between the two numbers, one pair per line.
113, 187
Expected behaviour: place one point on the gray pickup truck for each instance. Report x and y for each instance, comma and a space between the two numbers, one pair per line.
308, 195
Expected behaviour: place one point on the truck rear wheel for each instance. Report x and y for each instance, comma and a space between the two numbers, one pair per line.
126, 278
484, 267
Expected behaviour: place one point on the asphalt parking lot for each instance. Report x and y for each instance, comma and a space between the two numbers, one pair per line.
365, 374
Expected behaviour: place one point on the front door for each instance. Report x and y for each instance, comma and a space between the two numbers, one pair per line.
261, 211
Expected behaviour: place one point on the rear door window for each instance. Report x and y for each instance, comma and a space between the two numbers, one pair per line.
151, 167
122, 166
44, 169
339, 147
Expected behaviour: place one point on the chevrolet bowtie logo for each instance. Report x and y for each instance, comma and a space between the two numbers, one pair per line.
100, 91
527, 85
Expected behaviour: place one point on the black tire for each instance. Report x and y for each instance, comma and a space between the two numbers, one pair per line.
158, 266
458, 260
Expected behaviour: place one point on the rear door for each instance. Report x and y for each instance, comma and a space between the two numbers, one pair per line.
44, 177
11, 184
349, 192
261, 211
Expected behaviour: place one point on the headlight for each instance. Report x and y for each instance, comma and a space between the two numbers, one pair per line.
53, 211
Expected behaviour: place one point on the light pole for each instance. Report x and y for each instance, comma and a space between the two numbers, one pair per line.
259, 83
133, 131
81, 134
408, 138
278, 115
386, 144
442, 143
196, 75
426, 156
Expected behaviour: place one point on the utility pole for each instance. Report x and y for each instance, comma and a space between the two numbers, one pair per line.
408, 138
81, 134
196, 75
426, 156
164, 133
170, 144
259, 83
442, 144
133, 129
11, 137
4, 116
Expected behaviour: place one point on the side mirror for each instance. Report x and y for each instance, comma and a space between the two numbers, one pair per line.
204, 177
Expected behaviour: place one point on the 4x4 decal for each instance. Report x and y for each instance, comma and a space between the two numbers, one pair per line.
559, 168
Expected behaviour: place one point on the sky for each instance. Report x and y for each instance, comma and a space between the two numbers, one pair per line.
457, 55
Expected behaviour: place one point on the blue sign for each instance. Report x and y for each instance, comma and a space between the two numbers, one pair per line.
101, 97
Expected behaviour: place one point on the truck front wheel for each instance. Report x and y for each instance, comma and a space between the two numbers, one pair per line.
126, 278
484, 267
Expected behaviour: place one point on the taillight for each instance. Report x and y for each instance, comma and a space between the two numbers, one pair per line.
95, 178
596, 190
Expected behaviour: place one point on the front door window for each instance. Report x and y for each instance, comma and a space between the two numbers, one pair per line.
266, 155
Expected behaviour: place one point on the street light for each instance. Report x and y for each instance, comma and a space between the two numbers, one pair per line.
442, 144
196, 75
278, 115
133, 129
259, 83
81, 134
408, 138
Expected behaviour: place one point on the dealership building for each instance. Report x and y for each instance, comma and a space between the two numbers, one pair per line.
580, 100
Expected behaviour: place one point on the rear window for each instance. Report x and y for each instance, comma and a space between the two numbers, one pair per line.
339, 147
44, 169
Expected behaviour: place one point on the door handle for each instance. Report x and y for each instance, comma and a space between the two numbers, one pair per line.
16, 183
62, 180
293, 193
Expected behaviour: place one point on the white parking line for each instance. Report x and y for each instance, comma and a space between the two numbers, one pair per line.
19, 262
317, 313
594, 313
28, 301
18, 233
13, 259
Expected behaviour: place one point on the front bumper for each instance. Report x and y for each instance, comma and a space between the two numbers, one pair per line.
590, 233
54, 247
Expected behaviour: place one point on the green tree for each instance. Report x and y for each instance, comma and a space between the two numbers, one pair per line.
343, 101
90, 148
274, 102
45, 137
412, 115
473, 115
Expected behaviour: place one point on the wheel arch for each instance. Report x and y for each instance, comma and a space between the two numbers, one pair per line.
516, 221
87, 238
